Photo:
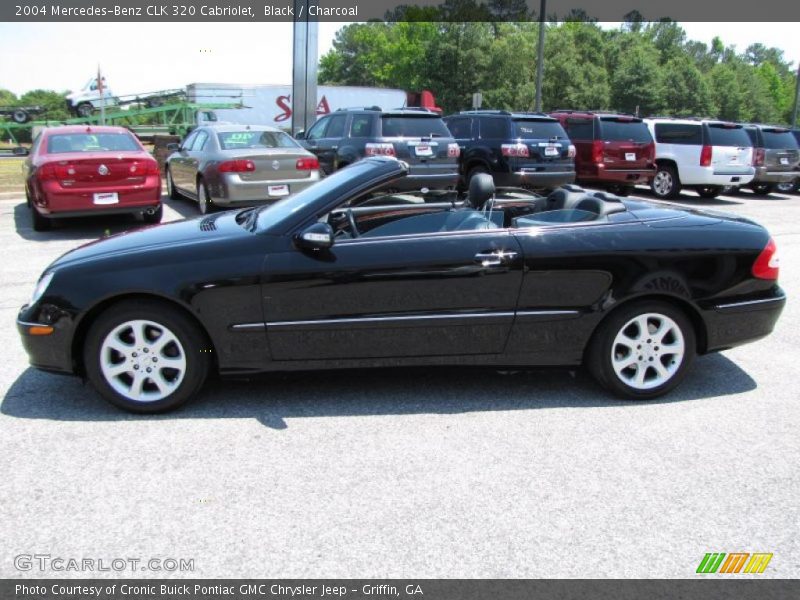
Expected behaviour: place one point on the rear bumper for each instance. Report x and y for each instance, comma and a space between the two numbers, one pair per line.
691, 176
231, 190
733, 323
765, 176
55, 201
533, 178
617, 176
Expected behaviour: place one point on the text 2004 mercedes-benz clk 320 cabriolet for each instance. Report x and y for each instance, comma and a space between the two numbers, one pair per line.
343, 275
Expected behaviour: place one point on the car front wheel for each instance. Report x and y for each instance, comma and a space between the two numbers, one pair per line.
642, 351
709, 191
146, 356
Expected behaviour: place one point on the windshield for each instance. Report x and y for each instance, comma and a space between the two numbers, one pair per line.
91, 142
614, 129
723, 134
243, 140
270, 215
538, 129
413, 126
779, 139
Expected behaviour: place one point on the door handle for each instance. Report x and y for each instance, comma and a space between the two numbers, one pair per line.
495, 259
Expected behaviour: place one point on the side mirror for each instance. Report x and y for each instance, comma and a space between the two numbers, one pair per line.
173, 147
300, 135
318, 236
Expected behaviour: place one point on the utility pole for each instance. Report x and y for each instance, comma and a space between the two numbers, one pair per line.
796, 94
540, 56
304, 68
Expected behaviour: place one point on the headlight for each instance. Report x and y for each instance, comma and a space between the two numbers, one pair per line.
41, 287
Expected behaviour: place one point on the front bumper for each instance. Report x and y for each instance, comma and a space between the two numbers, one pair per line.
47, 352
736, 322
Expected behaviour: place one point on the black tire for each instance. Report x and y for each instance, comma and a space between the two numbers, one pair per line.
709, 191
84, 110
763, 189
623, 190
204, 203
20, 116
155, 216
40, 222
154, 102
788, 188
665, 183
172, 191
599, 352
195, 351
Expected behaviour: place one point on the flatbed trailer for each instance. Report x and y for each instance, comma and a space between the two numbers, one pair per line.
20, 114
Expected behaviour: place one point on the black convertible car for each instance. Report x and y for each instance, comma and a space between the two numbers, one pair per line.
342, 275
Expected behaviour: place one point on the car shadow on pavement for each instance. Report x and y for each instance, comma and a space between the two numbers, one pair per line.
274, 399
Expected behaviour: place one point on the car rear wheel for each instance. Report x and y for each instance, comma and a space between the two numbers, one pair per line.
642, 351
709, 191
40, 222
762, 189
146, 356
203, 200
172, 191
666, 184
790, 187
20, 116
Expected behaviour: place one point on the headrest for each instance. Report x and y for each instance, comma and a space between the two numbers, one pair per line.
481, 189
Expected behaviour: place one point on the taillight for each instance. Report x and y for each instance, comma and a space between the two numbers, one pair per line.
597, 151
47, 172
520, 150
53, 171
148, 167
767, 264
759, 154
705, 156
380, 150
453, 150
307, 164
571, 152
237, 166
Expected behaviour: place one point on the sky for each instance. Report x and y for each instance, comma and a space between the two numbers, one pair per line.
172, 55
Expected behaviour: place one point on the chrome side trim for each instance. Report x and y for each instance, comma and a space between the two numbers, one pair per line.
751, 302
346, 320
248, 327
27, 324
545, 313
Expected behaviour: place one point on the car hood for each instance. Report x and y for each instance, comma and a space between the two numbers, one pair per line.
200, 230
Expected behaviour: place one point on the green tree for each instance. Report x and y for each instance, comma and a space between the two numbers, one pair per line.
53, 103
685, 89
636, 83
7, 98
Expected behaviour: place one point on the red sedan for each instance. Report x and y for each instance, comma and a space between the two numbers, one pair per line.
89, 170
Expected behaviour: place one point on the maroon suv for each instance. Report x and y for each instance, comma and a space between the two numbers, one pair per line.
614, 151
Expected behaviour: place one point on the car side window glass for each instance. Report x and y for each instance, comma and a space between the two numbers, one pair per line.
461, 128
336, 127
187, 142
492, 128
317, 130
199, 141
580, 129
678, 133
361, 126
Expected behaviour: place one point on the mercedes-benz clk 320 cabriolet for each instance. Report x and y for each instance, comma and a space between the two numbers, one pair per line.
344, 275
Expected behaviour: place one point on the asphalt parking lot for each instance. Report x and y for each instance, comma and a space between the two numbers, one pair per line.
421, 473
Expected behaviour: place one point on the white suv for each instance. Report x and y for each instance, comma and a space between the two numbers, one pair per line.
704, 155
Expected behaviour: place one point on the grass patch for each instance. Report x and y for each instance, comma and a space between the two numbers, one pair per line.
11, 178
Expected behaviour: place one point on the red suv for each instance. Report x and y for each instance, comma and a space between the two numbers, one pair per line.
615, 151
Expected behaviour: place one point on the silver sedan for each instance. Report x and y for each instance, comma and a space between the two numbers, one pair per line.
238, 165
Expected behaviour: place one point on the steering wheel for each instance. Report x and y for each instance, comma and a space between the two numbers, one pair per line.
351, 219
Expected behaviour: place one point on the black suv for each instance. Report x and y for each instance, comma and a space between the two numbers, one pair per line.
418, 137
528, 150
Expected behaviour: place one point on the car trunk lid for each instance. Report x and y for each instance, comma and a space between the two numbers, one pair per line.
87, 170
273, 164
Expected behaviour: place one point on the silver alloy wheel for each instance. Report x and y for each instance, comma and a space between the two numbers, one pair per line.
202, 198
648, 351
142, 360
662, 183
